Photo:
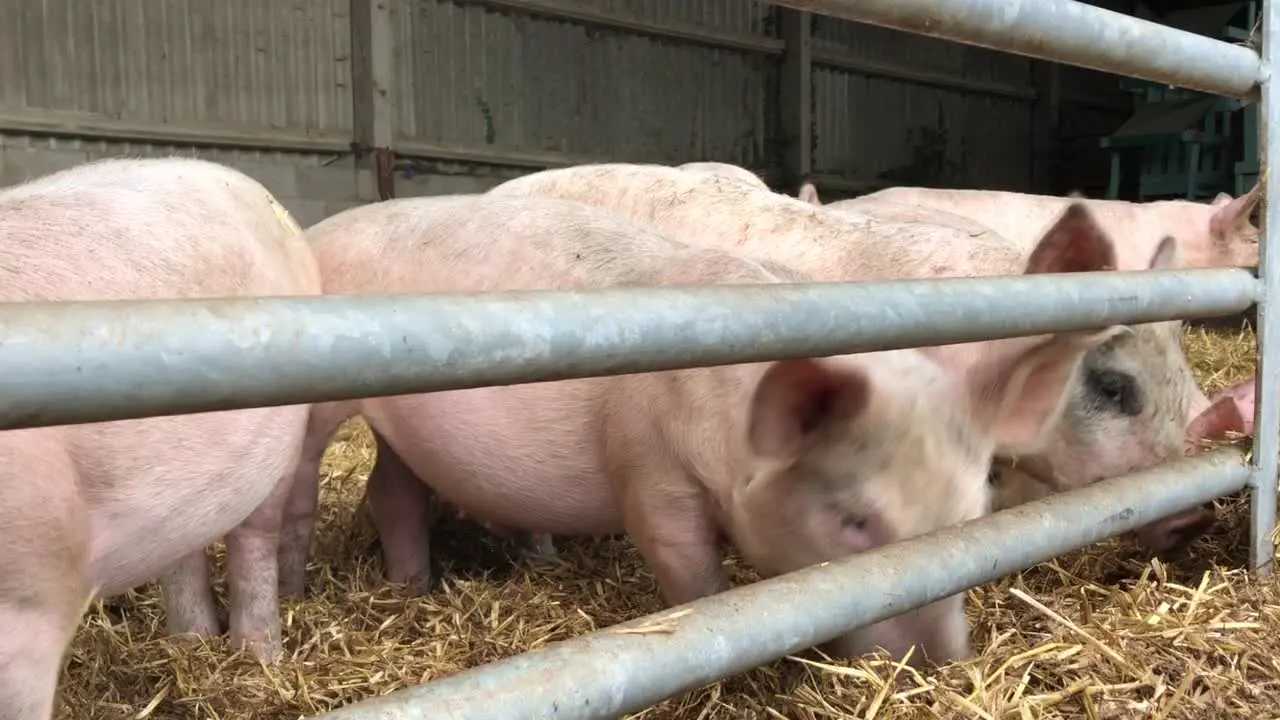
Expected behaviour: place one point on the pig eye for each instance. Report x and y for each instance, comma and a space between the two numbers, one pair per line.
1117, 391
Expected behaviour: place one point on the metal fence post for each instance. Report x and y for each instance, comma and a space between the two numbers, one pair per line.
1267, 407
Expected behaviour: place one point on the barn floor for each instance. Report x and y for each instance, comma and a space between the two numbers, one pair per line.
1101, 633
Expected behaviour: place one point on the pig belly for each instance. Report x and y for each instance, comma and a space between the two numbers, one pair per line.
159, 489
519, 456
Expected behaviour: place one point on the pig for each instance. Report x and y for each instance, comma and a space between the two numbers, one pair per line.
1149, 365
1212, 234
92, 510
726, 170
1119, 427
796, 461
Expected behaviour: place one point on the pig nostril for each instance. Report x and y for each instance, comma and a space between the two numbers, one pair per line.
854, 522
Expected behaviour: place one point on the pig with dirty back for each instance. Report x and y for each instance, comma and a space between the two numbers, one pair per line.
796, 461
1113, 425
1137, 382
93, 510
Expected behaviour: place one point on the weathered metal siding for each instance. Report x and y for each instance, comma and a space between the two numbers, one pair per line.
242, 64
873, 123
475, 76
1093, 106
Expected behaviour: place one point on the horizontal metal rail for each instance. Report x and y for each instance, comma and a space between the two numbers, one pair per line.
608, 672
1068, 32
63, 363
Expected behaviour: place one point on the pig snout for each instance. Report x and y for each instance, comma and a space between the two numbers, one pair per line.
1173, 534
1230, 411
935, 634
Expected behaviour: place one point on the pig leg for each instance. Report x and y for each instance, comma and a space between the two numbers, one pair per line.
538, 545
253, 574
299, 517
189, 607
673, 527
401, 507
43, 586
36, 637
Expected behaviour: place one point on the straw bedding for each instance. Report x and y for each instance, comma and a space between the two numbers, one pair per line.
1101, 633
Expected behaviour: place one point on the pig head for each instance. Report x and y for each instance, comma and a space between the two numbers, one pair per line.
848, 460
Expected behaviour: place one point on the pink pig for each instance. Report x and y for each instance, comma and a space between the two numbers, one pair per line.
796, 461
93, 510
1214, 234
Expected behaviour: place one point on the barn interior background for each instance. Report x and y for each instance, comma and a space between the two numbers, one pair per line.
339, 102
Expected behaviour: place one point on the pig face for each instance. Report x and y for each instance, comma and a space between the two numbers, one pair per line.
1127, 411
1128, 408
849, 459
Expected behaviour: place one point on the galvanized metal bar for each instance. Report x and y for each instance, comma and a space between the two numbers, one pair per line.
1068, 32
65, 363
607, 673
1266, 435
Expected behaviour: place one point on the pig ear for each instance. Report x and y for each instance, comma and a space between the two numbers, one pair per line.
1074, 243
808, 193
796, 400
1020, 396
1165, 256
1216, 421
1076, 195
1233, 214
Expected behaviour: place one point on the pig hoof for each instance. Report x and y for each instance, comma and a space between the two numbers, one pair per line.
420, 583
192, 628
264, 645
190, 640
539, 546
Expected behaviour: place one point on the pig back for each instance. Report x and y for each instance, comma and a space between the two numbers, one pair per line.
175, 227
481, 243
850, 245
158, 488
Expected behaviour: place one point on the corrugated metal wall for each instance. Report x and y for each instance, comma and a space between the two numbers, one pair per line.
244, 64
529, 81
954, 115
1093, 106
501, 79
